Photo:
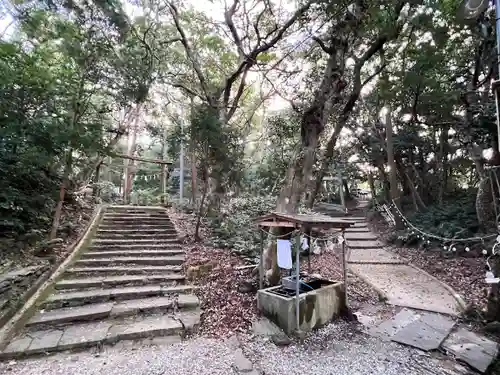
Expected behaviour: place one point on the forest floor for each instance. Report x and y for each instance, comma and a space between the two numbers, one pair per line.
21, 252
226, 287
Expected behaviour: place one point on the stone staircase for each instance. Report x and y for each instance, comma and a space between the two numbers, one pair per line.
128, 284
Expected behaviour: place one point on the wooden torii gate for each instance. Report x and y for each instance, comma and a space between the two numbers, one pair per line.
128, 183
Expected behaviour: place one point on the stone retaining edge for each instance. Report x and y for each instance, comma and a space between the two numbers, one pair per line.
460, 301
44, 282
5, 317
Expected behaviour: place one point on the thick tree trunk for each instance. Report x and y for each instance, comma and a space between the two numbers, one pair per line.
130, 163
325, 164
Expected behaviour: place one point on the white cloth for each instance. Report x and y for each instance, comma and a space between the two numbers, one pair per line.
304, 245
284, 248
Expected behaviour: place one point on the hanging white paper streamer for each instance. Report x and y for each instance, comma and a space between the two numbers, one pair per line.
284, 254
304, 243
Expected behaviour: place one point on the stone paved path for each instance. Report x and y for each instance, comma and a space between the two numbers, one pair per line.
400, 283
127, 285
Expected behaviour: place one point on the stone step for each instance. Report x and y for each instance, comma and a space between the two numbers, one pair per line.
130, 253
136, 236
120, 270
360, 219
159, 218
85, 335
137, 227
69, 299
121, 207
153, 261
353, 244
136, 221
358, 229
136, 212
135, 230
105, 310
110, 281
360, 236
152, 247
102, 241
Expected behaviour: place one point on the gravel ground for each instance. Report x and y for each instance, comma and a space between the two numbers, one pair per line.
335, 350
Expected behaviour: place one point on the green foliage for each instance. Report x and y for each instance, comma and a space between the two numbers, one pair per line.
455, 218
282, 136
234, 227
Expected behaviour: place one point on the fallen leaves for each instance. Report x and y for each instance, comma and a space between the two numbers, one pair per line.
225, 309
329, 265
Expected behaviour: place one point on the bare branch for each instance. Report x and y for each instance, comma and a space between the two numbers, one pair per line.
189, 52
251, 59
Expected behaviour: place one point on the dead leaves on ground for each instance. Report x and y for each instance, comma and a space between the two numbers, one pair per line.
213, 271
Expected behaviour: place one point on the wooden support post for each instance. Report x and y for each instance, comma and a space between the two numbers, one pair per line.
297, 282
261, 260
344, 266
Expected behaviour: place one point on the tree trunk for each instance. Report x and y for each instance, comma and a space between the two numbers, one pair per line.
128, 163
95, 188
393, 178
200, 210
325, 164
371, 184
443, 163
163, 173
62, 194
193, 177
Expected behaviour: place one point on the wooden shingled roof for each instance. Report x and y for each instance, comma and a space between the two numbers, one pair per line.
283, 219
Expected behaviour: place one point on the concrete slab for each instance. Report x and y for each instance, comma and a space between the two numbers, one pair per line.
117, 270
131, 253
187, 301
388, 328
72, 314
408, 287
143, 328
426, 333
17, 346
360, 236
119, 293
190, 320
241, 363
373, 256
84, 335
354, 244
44, 341
122, 247
475, 350
154, 261
108, 281
150, 241
142, 305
